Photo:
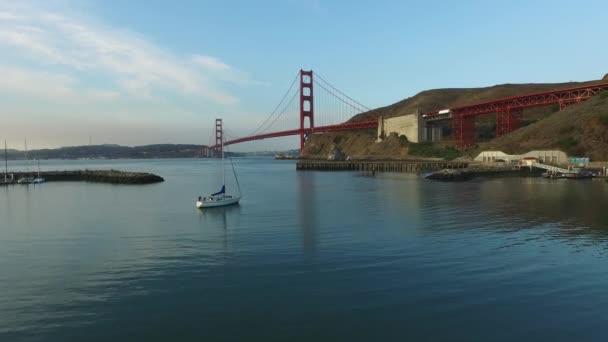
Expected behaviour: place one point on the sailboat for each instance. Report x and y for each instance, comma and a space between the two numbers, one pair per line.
38, 179
220, 198
26, 179
6, 180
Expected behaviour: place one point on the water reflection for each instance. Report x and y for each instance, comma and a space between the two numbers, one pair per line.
307, 213
223, 217
572, 204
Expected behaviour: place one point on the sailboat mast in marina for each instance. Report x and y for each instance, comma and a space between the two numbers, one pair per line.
220, 198
38, 179
26, 178
5, 165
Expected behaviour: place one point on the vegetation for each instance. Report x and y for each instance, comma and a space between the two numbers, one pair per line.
604, 118
430, 151
566, 130
567, 143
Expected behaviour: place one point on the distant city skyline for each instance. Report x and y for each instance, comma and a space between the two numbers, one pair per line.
140, 72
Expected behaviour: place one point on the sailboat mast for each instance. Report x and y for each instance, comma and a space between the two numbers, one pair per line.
223, 171
5, 163
27, 165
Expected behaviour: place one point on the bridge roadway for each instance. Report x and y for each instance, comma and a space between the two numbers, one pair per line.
351, 126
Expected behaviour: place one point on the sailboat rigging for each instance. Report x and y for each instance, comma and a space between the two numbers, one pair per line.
38, 179
6, 181
220, 198
26, 179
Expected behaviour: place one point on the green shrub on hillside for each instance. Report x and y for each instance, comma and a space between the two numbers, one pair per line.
604, 95
566, 130
604, 118
430, 151
569, 145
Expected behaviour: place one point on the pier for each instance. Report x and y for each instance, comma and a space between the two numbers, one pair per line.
378, 166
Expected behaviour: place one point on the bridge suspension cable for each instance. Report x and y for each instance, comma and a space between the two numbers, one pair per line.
264, 125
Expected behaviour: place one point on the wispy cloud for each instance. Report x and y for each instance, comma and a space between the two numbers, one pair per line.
33, 33
211, 63
42, 84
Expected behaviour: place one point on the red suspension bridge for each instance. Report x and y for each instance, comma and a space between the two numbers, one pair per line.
320, 107
312, 105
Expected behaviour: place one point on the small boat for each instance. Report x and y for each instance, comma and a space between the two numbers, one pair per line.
26, 179
6, 180
38, 179
220, 198
217, 199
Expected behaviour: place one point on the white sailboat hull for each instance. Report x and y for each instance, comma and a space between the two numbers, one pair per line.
220, 202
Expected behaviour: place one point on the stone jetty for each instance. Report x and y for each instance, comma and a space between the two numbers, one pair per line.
96, 176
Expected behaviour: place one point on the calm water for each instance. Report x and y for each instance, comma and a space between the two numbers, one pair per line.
307, 256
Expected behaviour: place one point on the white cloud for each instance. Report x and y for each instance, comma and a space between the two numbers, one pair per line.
211, 63
31, 32
48, 85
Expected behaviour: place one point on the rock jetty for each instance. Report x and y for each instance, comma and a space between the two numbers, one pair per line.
450, 175
97, 176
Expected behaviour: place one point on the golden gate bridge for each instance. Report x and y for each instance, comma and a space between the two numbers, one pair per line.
312, 105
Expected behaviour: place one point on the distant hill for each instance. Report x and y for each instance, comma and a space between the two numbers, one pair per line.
115, 152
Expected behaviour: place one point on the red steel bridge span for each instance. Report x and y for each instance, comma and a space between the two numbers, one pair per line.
316, 106
509, 110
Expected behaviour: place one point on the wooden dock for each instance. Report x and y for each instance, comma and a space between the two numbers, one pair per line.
378, 166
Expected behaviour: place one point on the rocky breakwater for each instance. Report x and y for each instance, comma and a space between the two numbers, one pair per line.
98, 176
485, 171
451, 175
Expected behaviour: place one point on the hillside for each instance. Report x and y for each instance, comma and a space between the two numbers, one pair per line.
115, 152
361, 144
579, 130
437, 99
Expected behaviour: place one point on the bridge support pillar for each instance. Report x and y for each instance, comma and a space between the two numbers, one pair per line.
306, 106
565, 103
463, 130
219, 138
508, 120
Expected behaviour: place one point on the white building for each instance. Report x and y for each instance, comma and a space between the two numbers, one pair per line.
543, 156
412, 126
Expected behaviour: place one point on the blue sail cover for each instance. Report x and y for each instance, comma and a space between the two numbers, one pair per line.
223, 191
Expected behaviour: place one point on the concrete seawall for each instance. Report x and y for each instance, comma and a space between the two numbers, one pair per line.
379, 166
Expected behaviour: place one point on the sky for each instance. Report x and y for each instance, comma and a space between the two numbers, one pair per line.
143, 72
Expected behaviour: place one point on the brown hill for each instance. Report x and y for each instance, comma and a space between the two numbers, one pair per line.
437, 99
579, 130
362, 144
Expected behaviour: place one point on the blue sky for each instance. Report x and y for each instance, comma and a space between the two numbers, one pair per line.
139, 72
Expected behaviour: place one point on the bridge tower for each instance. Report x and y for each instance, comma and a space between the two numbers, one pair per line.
219, 137
306, 106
